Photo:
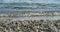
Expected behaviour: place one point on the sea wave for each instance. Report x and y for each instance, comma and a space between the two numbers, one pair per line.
29, 6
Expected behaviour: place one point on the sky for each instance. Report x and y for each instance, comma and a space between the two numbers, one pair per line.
30, 1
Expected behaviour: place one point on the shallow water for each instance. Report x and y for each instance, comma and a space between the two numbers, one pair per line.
33, 18
6, 8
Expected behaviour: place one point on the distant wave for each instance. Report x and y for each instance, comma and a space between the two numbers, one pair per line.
31, 6
30, 1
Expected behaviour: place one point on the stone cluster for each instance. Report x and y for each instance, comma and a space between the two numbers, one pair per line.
30, 26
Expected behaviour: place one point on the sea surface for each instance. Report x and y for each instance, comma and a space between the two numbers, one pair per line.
29, 7
22, 7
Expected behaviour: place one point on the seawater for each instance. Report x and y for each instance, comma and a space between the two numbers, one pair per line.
11, 7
